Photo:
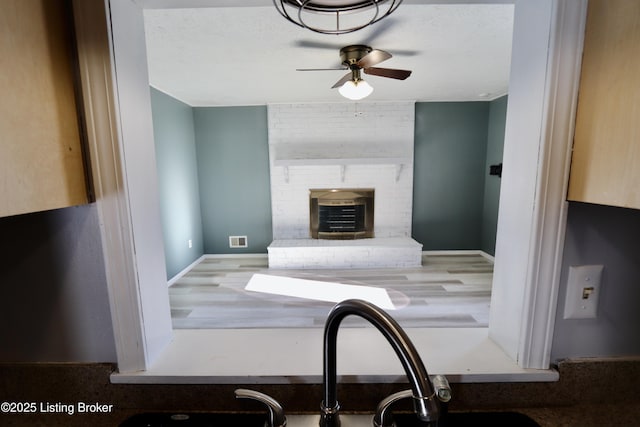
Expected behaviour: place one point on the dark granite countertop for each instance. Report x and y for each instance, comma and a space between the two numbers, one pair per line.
587, 415
590, 392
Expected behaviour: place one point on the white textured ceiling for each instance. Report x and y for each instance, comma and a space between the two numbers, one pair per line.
248, 55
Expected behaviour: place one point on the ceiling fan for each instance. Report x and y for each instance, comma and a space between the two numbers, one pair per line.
357, 58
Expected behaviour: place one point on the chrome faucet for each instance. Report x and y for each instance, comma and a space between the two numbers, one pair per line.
425, 403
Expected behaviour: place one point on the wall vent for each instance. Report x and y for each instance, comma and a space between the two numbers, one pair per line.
238, 241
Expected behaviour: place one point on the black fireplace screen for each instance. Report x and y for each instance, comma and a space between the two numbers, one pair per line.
341, 218
341, 213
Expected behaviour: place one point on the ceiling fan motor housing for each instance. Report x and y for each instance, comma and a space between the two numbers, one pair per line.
354, 53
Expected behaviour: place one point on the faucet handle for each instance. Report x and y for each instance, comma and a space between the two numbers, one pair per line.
384, 416
276, 413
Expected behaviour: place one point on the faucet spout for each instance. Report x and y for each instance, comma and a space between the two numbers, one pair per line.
424, 399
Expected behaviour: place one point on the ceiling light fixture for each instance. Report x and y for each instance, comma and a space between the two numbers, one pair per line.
324, 16
351, 86
355, 90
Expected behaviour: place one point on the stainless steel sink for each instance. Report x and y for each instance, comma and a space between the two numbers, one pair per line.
453, 419
468, 419
188, 419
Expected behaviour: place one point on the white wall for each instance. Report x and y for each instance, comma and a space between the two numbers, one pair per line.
371, 137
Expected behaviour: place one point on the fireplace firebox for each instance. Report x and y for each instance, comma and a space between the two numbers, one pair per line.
344, 213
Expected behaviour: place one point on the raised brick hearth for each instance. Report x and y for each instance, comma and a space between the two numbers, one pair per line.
383, 252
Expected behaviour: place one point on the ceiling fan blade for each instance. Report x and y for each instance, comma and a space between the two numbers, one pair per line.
388, 72
342, 81
374, 57
321, 69
312, 44
405, 52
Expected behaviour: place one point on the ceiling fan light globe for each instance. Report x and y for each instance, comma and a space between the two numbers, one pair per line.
355, 90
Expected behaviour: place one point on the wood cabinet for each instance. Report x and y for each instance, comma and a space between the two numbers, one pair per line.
41, 159
605, 166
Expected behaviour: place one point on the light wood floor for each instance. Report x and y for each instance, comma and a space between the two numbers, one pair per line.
449, 290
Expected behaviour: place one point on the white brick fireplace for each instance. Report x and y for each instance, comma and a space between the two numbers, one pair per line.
340, 145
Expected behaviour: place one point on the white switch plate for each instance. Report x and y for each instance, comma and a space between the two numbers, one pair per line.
583, 292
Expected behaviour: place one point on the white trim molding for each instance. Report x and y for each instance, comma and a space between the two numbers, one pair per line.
134, 258
545, 72
550, 210
96, 71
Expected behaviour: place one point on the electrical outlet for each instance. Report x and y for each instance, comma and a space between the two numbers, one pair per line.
190, 243
583, 292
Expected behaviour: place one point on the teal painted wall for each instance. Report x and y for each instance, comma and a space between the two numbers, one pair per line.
177, 181
495, 145
454, 143
233, 169
449, 161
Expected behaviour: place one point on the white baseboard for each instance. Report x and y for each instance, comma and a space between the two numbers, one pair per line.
461, 252
243, 255
184, 271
